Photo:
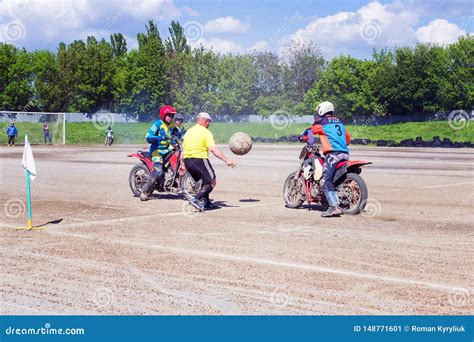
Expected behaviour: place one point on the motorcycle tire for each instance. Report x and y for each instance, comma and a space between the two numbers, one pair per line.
292, 200
353, 194
139, 174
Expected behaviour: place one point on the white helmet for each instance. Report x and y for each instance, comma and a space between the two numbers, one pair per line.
325, 107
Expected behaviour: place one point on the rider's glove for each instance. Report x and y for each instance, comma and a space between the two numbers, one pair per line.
302, 135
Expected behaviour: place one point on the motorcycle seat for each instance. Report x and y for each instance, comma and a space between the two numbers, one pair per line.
145, 154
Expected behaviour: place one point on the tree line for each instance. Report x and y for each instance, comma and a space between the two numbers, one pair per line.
87, 76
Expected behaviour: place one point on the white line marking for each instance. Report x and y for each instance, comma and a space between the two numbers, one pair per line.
305, 267
444, 185
128, 218
86, 223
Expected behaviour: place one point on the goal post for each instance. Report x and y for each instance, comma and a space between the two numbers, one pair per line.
71, 128
41, 127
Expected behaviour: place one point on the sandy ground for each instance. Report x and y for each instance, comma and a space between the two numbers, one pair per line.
108, 253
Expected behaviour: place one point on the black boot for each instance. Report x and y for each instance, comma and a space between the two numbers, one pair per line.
148, 186
208, 205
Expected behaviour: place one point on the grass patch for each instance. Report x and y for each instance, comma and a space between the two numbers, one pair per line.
86, 133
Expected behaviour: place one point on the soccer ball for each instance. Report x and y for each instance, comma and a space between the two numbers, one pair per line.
240, 143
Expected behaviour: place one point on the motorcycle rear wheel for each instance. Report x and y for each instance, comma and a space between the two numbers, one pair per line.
353, 194
139, 174
293, 192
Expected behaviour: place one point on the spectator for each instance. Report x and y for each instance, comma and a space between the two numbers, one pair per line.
46, 135
12, 132
179, 130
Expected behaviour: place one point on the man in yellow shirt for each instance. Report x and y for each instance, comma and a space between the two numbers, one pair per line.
197, 143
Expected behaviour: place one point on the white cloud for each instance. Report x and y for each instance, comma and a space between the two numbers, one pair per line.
219, 45
373, 25
260, 45
152, 9
439, 31
52, 21
226, 46
226, 25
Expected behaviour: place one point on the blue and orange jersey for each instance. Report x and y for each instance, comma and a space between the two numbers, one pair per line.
332, 132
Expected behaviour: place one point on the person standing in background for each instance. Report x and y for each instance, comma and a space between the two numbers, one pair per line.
46, 135
179, 130
12, 132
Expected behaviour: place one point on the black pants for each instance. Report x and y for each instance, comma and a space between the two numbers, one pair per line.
47, 137
11, 140
201, 169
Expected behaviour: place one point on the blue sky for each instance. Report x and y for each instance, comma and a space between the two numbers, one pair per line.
336, 27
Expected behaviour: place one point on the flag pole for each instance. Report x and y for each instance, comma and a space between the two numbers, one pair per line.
28, 164
28, 192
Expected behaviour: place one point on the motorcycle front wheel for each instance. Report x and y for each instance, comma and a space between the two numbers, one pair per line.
293, 192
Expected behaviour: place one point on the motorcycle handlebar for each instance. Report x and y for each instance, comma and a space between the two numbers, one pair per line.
312, 148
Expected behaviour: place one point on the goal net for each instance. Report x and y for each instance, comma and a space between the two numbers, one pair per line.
41, 128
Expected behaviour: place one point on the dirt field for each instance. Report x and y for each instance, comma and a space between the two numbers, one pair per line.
108, 253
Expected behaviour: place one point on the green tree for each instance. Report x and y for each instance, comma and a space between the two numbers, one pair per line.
16, 89
410, 81
200, 87
176, 76
236, 86
458, 85
178, 53
119, 45
269, 84
46, 82
86, 72
269, 80
347, 83
176, 42
303, 64
149, 90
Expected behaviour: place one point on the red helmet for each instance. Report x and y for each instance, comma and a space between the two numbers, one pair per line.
166, 110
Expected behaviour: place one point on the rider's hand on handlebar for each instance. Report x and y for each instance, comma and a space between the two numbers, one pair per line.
182, 169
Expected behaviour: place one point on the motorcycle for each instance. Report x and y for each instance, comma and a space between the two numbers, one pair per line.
171, 181
109, 139
305, 184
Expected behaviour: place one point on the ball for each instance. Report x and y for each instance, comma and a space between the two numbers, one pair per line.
240, 143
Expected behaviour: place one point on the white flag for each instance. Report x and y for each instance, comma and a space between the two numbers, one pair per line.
28, 161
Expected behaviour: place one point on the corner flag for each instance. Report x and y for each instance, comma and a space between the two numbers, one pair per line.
28, 162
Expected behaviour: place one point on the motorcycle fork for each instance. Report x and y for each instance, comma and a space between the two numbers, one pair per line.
308, 190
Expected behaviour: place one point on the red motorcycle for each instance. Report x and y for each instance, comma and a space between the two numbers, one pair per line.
171, 181
305, 184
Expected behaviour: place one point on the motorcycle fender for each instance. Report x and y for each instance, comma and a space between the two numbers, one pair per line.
148, 164
339, 173
174, 160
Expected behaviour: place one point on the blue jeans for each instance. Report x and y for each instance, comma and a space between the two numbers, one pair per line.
329, 169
